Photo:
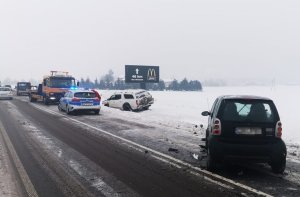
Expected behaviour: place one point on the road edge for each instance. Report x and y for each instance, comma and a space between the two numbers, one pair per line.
30, 190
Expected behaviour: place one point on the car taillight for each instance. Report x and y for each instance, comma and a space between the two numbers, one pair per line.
75, 99
216, 129
278, 131
97, 99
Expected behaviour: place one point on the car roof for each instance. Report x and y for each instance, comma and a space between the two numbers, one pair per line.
246, 97
80, 90
134, 91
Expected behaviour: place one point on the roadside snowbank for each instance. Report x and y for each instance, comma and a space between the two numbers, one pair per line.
183, 109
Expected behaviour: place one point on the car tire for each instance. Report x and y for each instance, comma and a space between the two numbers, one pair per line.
97, 111
68, 110
59, 107
210, 162
127, 107
146, 108
278, 166
206, 139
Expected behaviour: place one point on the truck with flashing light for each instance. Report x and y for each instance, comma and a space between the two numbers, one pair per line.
53, 87
23, 88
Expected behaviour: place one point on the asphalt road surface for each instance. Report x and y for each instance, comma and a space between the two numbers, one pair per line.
64, 157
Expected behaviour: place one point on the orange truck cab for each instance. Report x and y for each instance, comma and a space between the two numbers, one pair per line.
53, 87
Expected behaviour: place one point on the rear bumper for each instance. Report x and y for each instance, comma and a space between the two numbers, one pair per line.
83, 108
227, 150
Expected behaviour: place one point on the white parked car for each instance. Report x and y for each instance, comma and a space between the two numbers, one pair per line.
130, 100
6, 93
80, 100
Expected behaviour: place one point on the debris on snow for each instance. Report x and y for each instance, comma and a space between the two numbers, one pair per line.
195, 156
173, 150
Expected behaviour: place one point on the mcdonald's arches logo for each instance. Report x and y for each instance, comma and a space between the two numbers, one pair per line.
151, 76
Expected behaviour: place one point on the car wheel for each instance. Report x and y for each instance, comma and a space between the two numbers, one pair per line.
97, 111
59, 107
68, 110
146, 108
127, 107
210, 162
206, 139
278, 166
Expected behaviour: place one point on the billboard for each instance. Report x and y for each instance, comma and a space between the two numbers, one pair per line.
141, 74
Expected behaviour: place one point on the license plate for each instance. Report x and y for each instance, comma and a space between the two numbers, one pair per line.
87, 104
248, 131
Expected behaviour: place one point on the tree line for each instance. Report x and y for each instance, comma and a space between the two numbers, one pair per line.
108, 81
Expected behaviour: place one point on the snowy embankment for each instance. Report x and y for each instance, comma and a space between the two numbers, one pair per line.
183, 109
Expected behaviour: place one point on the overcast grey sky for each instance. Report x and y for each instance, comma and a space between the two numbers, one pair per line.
228, 39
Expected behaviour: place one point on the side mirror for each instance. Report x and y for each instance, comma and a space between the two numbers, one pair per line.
205, 113
77, 84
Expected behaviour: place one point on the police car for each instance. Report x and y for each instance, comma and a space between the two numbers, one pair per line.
79, 100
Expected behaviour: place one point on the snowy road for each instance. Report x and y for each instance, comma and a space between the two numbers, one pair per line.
108, 155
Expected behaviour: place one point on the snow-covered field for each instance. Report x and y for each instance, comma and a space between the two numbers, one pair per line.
183, 109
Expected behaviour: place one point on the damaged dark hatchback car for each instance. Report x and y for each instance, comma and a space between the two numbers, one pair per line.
245, 129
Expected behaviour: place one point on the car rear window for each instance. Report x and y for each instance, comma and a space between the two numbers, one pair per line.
85, 95
128, 96
251, 110
142, 94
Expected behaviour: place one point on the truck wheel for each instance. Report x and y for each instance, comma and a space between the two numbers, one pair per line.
32, 99
45, 100
127, 107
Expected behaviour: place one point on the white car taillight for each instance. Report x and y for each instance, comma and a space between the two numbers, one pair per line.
216, 129
278, 130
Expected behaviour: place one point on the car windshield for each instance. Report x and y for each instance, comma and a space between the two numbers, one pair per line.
4, 89
85, 95
23, 86
242, 110
62, 82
